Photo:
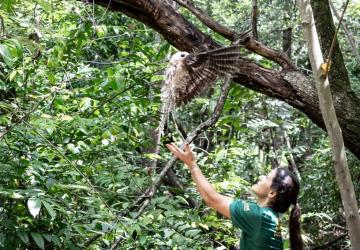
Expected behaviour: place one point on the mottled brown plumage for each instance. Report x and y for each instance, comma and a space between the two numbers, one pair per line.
188, 75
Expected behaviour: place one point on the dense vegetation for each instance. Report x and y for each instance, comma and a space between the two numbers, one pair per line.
79, 103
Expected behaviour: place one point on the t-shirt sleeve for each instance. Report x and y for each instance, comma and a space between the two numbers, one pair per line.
245, 215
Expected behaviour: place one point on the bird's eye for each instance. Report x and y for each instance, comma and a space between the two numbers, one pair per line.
182, 55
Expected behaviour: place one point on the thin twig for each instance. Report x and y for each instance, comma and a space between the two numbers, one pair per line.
327, 245
178, 125
25, 116
208, 21
290, 157
92, 239
334, 39
351, 38
106, 10
203, 126
2, 27
110, 99
271, 134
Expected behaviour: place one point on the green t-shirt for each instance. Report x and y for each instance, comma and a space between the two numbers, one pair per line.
258, 225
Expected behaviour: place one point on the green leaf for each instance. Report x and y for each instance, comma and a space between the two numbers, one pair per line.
49, 209
19, 48
34, 205
6, 55
153, 156
43, 4
192, 232
164, 49
286, 244
204, 226
38, 240
85, 104
142, 239
23, 236
73, 187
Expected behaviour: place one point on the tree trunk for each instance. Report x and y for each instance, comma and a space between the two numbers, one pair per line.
328, 111
338, 76
288, 84
286, 41
254, 19
351, 38
287, 32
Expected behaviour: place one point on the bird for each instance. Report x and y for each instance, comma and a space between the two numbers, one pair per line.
189, 74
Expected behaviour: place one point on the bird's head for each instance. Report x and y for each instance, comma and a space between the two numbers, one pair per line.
178, 57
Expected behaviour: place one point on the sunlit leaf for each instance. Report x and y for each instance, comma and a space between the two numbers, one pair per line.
152, 156
6, 55
34, 205
44, 4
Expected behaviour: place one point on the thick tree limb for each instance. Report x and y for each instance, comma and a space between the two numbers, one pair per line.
342, 172
338, 76
249, 42
291, 86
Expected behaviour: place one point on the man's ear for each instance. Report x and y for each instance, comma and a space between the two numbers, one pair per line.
271, 194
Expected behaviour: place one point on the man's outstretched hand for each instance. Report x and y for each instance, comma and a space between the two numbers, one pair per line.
185, 156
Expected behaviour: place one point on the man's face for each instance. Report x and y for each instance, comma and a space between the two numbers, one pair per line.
262, 187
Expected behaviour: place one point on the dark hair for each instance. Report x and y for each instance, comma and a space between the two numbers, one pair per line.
287, 185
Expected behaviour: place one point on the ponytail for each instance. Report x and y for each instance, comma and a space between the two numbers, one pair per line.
286, 185
296, 242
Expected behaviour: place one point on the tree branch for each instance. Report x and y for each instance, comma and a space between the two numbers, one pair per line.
203, 126
254, 18
342, 172
290, 156
249, 42
348, 34
326, 246
208, 21
289, 85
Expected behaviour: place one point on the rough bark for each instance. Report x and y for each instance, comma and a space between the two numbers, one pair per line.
288, 84
287, 31
254, 19
342, 172
286, 41
325, 27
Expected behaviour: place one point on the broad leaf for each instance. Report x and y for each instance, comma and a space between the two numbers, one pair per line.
23, 236
34, 205
49, 209
39, 240
6, 55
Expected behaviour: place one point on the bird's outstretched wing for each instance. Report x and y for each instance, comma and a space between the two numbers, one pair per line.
188, 75
205, 67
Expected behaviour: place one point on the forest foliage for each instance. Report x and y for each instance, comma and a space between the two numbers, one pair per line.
79, 101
